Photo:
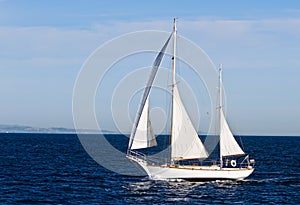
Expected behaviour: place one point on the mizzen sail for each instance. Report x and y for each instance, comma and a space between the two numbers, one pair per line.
228, 145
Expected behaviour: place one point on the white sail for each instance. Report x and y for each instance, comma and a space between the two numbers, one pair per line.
185, 141
228, 145
144, 136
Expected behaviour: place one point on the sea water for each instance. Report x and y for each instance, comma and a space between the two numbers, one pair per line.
55, 169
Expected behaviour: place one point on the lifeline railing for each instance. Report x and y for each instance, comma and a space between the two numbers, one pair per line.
159, 161
149, 159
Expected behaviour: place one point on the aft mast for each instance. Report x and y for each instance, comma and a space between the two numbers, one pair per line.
228, 144
220, 111
173, 84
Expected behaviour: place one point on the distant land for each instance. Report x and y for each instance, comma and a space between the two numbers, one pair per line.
29, 129
11, 128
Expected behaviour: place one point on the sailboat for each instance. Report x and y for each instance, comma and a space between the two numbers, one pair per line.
185, 144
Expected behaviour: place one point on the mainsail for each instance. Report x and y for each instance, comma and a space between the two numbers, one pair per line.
144, 136
185, 142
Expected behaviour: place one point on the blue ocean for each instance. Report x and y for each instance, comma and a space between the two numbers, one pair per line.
55, 169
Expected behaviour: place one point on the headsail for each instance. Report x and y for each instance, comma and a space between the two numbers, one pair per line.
147, 89
144, 136
185, 141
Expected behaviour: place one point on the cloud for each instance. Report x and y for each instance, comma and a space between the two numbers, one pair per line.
225, 40
251, 49
247, 43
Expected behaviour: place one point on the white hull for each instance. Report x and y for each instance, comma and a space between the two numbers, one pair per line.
193, 173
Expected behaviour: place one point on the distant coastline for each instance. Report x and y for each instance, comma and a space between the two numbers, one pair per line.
6, 128
28, 129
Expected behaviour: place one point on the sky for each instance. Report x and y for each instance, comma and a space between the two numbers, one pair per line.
43, 46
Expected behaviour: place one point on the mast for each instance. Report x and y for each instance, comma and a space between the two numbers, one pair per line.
173, 83
220, 110
228, 144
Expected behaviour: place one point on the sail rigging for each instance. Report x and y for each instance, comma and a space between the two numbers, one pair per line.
185, 143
